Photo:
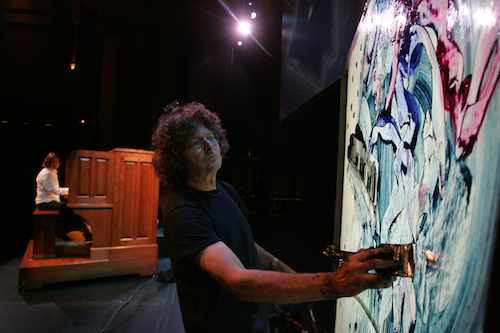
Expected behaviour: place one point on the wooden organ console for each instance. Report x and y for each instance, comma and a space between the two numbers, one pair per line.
117, 193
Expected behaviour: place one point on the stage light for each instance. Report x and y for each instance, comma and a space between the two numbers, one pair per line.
240, 43
253, 15
244, 28
72, 66
82, 121
250, 3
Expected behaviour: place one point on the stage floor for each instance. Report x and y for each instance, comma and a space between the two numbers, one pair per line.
87, 306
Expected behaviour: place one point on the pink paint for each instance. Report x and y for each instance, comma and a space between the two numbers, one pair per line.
422, 193
466, 99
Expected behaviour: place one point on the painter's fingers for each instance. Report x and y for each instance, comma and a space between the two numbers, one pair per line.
387, 264
365, 254
378, 281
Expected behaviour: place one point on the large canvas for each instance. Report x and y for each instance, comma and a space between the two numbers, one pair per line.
422, 160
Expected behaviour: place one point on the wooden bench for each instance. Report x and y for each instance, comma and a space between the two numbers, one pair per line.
44, 225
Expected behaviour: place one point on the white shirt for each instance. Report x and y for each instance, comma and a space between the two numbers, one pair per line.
47, 186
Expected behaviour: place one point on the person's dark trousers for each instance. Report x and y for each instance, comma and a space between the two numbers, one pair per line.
67, 220
53, 205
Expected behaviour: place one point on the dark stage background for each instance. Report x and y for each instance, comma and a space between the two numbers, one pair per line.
316, 37
132, 58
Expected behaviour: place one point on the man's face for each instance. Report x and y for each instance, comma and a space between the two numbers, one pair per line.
202, 153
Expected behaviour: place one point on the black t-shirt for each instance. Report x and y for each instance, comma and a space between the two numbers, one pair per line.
194, 220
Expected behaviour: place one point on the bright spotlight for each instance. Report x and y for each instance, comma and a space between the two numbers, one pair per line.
253, 15
240, 43
249, 3
244, 28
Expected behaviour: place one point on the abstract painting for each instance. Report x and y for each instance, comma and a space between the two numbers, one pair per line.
422, 158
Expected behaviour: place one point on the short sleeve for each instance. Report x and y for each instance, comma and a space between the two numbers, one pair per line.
189, 231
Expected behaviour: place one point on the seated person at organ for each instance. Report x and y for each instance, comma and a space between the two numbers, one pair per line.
70, 226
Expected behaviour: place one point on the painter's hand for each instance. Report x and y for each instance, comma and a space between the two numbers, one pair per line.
352, 276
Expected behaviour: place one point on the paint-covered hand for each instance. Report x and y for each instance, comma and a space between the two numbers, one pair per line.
353, 276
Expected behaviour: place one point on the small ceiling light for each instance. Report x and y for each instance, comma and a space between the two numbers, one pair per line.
250, 3
72, 66
82, 121
240, 43
253, 15
244, 28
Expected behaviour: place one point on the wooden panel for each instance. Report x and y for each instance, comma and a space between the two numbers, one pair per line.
83, 185
128, 203
89, 177
44, 225
142, 228
101, 188
100, 222
133, 253
136, 198
147, 209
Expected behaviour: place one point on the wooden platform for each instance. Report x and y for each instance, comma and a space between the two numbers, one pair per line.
103, 262
116, 193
